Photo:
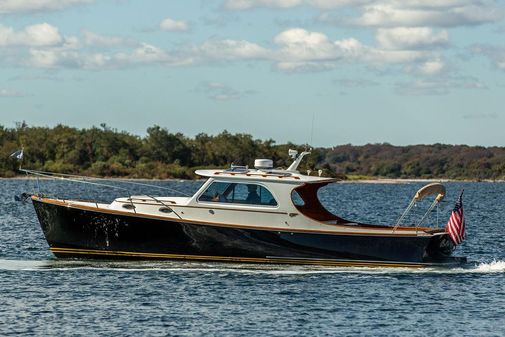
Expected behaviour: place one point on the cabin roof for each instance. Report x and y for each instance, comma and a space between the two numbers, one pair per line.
267, 176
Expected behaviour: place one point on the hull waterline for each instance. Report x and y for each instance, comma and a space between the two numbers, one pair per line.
81, 233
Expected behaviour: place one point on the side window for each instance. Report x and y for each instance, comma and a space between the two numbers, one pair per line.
241, 194
266, 198
254, 195
216, 192
297, 199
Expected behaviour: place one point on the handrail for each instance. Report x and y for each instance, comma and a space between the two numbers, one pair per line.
431, 189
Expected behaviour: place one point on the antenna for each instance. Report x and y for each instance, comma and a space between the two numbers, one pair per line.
312, 129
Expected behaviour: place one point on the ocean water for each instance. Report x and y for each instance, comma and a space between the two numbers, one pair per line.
43, 296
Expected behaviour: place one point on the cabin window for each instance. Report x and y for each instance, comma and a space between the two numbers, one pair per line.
238, 193
297, 199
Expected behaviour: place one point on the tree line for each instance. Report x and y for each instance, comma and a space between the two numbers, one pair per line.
106, 152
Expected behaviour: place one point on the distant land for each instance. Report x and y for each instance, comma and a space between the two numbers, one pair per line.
161, 154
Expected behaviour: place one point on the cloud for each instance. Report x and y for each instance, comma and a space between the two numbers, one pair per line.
438, 86
227, 49
292, 50
22, 6
42, 34
221, 92
417, 13
330, 4
389, 13
410, 38
145, 53
172, 25
300, 45
301, 50
250, 4
432, 67
496, 54
321, 4
10, 93
93, 39
68, 54
393, 14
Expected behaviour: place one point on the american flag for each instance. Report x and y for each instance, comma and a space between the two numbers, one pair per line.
456, 225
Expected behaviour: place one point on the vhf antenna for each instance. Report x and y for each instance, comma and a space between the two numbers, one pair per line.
312, 129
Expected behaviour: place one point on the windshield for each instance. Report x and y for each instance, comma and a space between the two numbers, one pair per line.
238, 193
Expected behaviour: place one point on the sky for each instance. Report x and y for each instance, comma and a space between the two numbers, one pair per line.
324, 72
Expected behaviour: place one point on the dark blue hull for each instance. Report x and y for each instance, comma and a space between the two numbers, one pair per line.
80, 232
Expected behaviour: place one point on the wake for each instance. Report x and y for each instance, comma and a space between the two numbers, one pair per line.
493, 267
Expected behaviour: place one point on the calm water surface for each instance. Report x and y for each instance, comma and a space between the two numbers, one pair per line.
42, 296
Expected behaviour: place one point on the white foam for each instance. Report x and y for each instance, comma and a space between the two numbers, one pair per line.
496, 266
21, 264
492, 267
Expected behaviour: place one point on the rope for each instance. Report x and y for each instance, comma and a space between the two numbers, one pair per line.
83, 179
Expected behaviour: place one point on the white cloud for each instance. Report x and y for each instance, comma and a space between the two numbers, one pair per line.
329, 4
416, 14
432, 67
148, 53
300, 44
52, 58
231, 50
42, 34
311, 50
20, 6
410, 38
293, 50
172, 25
390, 13
249, 4
69, 54
93, 39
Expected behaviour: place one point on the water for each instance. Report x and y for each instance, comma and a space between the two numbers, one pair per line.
43, 296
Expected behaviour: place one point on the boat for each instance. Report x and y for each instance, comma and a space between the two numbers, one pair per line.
244, 215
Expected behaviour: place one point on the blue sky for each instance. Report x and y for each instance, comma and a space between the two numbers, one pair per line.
368, 71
